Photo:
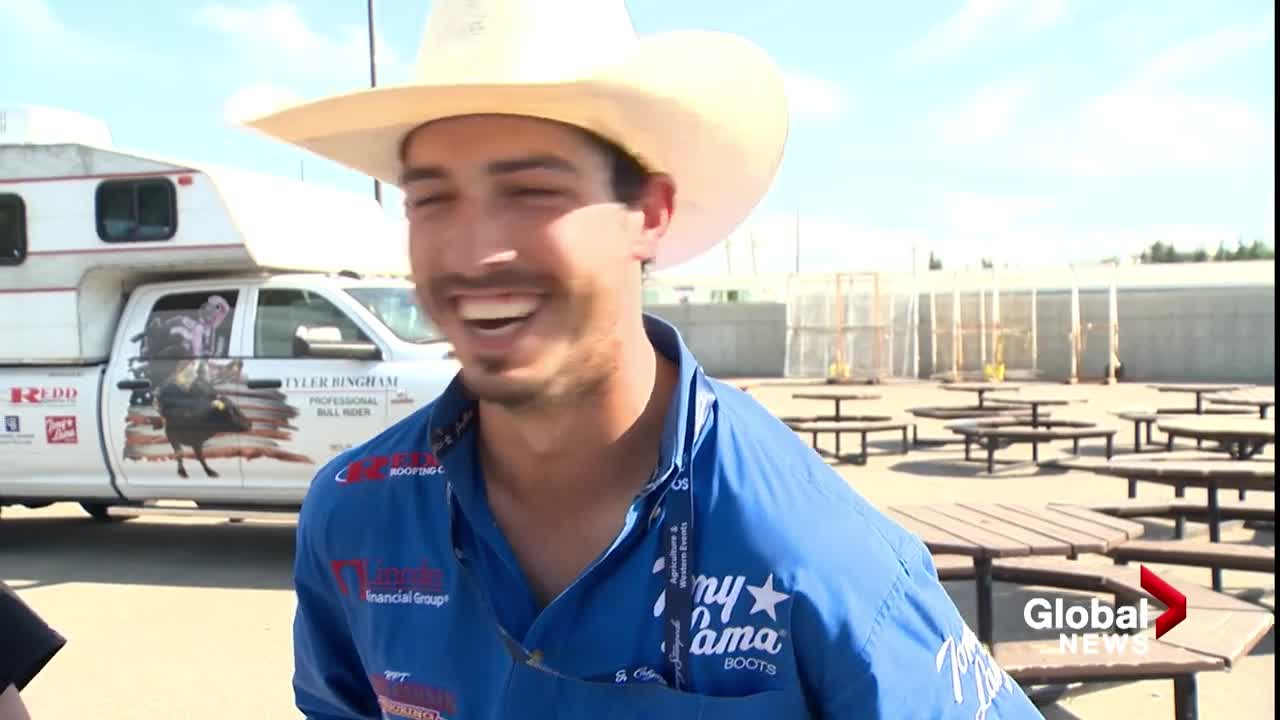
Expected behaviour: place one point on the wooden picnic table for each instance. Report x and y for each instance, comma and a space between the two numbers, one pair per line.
1210, 474
1262, 402
986, 531
1200, 390
1243, 436
836, 396
1035, 402
981, 388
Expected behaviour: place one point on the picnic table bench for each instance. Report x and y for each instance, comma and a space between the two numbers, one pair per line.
1212, 475
1250, 398
863, 425
992, 434
986, 532
980, 389
1243, 436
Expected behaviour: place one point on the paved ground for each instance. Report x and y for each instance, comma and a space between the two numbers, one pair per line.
191, 618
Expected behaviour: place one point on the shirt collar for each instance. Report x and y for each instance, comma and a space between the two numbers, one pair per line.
453, 415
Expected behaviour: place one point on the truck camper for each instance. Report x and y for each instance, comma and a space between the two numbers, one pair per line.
175, 331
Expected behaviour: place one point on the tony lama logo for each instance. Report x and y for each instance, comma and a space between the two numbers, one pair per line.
970, 665
712, 633
390, 585
400, 697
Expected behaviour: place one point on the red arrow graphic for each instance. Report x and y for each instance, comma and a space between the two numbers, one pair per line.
1172, 599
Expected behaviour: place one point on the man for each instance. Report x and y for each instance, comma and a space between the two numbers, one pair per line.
27, 644
583, 525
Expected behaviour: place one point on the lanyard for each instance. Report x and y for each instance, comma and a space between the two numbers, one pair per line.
677, 545
676, 548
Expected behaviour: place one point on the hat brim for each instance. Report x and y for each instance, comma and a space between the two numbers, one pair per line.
710, 109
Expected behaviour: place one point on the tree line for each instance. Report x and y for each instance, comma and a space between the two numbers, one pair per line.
1159, 252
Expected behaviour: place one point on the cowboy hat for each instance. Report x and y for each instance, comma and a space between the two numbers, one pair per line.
707, 108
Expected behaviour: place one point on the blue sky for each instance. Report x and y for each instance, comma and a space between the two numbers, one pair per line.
1028, 131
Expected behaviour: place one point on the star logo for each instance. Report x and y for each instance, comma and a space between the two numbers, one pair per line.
766, 598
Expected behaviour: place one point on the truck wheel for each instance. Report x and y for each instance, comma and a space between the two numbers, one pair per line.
98, 511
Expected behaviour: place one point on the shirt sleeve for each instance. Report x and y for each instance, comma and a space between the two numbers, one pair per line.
328, 681
919, 659
27, 643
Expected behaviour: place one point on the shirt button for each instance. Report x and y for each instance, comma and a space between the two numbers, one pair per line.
535, 657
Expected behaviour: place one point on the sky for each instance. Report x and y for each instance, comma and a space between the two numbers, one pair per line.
1030, 132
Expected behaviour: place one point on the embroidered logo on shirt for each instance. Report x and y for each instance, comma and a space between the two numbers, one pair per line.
390, 585
398, 696
713, 634
383, 467
967, 658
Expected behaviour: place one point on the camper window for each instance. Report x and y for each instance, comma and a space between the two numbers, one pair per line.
137, 210
13, 229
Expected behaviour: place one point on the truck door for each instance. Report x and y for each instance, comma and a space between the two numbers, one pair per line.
332, 393
172, 411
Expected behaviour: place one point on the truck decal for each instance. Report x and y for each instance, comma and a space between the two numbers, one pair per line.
199, 407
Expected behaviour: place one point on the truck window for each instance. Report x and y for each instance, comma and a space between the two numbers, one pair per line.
136, 210
283, 313
13, 229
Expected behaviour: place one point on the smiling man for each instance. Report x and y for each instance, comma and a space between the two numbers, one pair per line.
605, 532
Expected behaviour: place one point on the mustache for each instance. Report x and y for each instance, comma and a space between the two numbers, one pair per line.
513, 279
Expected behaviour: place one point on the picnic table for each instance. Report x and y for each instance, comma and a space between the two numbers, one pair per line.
1035, 402
836, 396
1262, 402
1243, 436
1200, 390
980, 388
987, 531
1182, 473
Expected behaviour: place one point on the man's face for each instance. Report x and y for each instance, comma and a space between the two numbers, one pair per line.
522, 255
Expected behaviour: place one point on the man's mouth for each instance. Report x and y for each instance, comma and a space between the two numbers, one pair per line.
493, 315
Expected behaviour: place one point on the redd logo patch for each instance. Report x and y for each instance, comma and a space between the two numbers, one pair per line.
43, 396
398, 696
61, 430
382, 467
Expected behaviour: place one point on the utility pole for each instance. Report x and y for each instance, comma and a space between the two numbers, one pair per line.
373, 82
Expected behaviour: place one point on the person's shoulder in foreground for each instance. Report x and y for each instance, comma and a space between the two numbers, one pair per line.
27, 644
875, 633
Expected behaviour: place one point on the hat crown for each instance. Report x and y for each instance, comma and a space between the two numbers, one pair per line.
521, 41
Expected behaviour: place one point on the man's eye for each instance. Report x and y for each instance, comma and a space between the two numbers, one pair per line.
532, 192
429, 200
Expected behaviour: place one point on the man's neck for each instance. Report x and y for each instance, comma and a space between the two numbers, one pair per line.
593, 448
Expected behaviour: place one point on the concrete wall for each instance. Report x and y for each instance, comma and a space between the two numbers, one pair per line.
1171, 334
732, 339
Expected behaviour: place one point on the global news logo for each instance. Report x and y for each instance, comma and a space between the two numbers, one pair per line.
1099, 629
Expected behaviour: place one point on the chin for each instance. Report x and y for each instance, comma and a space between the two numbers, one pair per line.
493, 381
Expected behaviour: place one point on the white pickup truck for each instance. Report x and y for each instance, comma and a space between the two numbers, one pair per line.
170, 333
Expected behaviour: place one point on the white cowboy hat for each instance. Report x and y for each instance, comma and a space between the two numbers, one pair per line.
707, 108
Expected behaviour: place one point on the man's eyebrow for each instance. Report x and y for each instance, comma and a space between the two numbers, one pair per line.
533, 162
428, 172
497, 167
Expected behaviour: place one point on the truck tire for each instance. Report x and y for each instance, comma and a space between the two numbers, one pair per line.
98, 511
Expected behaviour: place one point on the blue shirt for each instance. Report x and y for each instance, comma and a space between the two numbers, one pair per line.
803, 599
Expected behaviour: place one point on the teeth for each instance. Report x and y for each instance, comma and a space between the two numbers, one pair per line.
507, 308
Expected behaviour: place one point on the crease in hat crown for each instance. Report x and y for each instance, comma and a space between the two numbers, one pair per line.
708, 108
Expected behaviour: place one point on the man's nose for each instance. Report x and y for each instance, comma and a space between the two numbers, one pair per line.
483, 239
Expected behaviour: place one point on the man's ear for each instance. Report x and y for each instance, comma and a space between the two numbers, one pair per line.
653, 211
